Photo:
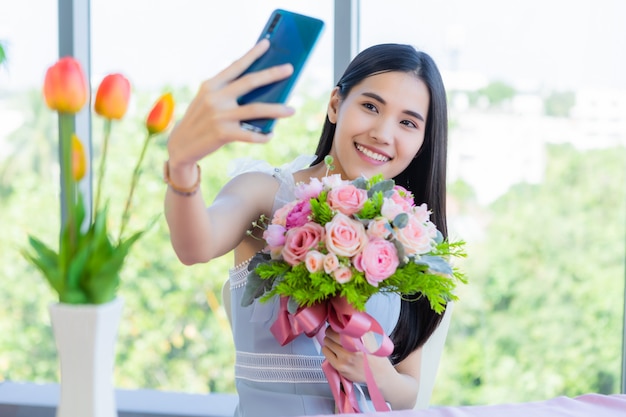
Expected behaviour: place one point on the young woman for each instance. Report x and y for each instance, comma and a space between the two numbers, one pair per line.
386, 115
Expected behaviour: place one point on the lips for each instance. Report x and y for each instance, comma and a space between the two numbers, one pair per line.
371, 154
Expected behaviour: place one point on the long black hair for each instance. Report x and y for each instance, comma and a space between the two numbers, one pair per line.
425, 176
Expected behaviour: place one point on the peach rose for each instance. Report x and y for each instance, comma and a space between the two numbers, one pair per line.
314, 261
345, 236
415, 237
378, 228
342, 274
331, 262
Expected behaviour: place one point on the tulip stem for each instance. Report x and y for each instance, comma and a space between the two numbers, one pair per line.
66, 129
103, 157
133, 185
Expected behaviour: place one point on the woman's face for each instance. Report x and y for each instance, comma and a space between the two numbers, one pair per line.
379, 125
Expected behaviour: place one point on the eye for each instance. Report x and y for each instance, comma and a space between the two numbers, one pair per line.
370, 107
409, 123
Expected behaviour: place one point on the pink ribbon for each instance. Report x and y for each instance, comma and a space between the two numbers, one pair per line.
351, 325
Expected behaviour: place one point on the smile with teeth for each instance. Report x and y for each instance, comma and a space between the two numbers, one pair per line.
372, 155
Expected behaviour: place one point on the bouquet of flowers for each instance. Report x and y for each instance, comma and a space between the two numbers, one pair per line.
339, 243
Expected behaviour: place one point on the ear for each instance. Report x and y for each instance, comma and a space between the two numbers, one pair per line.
333, 105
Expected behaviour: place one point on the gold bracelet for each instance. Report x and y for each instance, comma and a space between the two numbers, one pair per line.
187, 192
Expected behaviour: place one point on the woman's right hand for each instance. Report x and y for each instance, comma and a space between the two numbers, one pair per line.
213, 116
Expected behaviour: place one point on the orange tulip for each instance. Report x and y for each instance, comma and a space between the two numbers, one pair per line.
112, 97
161, 114
65, 86
79, 160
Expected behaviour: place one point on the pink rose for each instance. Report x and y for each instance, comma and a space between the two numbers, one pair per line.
298, 215
331, 262
357, 262
314, 261
280, 215
347, 199
403, 198
345, 236
299, 240
415, 237
379, 260
274, 235
342, 274
306, 191
404, 194
378, 228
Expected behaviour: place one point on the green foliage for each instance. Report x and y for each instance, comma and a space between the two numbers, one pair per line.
320, 210
497, 92
542, 316
3, 55
559, 104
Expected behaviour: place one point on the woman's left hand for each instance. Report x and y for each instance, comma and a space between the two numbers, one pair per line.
348, 364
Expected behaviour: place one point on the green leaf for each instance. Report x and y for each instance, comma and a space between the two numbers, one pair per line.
401, 220
320, 210
255, 288
381, 186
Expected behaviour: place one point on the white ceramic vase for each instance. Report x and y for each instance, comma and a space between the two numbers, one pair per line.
85, 337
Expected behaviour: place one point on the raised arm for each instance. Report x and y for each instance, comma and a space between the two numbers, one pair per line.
212, 120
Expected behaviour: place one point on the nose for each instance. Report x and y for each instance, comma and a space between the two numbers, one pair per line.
382, 131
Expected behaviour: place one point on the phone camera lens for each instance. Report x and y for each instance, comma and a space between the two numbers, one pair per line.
274, 23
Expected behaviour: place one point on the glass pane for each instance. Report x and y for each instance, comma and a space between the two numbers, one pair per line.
29, 188
175, 335
537, 163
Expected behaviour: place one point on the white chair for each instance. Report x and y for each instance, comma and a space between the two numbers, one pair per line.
431, 351
431, 355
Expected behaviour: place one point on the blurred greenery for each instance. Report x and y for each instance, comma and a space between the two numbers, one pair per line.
540, 317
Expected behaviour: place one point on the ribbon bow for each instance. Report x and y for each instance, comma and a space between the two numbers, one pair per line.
351, 325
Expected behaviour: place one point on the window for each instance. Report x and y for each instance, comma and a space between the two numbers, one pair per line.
536, 187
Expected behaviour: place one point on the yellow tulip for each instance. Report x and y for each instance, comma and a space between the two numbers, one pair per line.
79, 159
161, 114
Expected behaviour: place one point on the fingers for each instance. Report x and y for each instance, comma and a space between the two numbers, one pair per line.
259, 111
256, 79
237, 68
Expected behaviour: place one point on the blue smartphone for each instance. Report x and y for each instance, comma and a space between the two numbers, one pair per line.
292, 37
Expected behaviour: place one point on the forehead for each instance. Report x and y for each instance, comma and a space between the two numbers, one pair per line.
403, 89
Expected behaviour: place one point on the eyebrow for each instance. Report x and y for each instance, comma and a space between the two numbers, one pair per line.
408, 112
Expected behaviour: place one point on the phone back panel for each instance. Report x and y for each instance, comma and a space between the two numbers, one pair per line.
292, 38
